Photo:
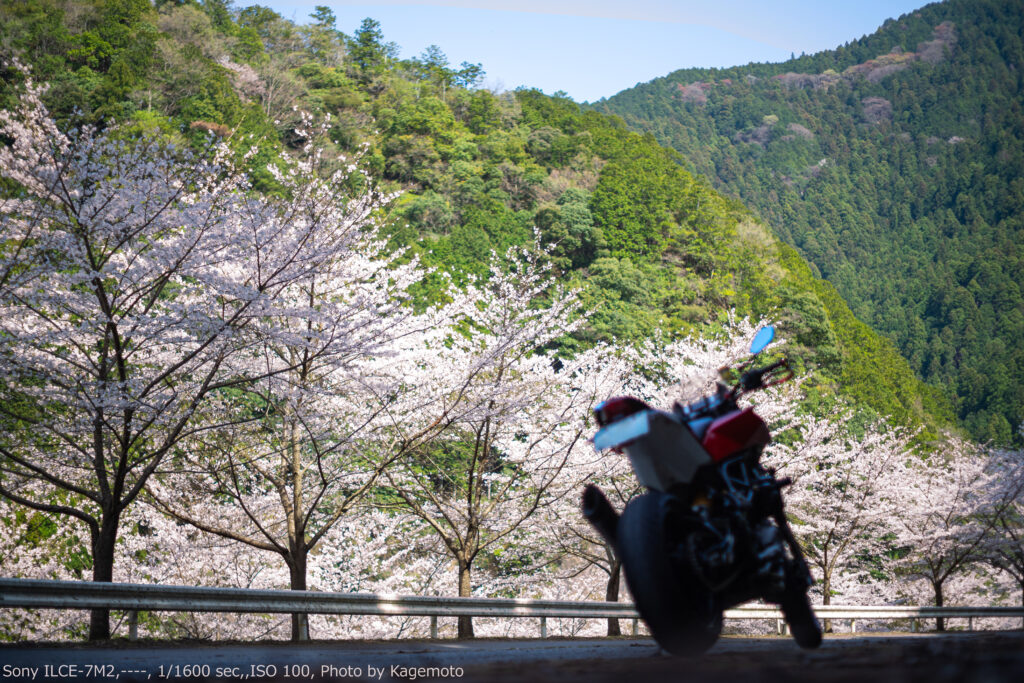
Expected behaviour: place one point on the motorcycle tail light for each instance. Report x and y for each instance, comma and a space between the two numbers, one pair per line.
734, 432
614, 409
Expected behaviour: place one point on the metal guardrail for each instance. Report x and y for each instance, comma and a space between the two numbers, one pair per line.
878, 612
134, 598
854, 613
150, 598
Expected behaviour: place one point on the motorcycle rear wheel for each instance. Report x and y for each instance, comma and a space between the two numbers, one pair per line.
681, 615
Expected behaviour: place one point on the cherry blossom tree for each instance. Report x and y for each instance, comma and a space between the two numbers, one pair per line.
159, 549
687, 368
844, 492
1004, 548
570, 552
942, 525
524, 413
323, 396
40, 545
579, 547
386, 552
151, 548
137, 280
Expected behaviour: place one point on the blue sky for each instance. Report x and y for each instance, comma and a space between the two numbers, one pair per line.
593, 49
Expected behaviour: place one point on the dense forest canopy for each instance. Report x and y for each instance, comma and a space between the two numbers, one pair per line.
892, 164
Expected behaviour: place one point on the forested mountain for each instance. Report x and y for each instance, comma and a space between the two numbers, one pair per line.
653, 245
893, 164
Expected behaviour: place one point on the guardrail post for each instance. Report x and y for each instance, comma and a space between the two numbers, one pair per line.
970, 623
913, 625
543, 627
433, 626
853, 625
636, 626
778, 627
133, 626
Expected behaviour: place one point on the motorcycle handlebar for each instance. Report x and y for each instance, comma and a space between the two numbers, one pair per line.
752, 380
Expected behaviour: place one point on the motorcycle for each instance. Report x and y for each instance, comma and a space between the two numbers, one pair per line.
711, 531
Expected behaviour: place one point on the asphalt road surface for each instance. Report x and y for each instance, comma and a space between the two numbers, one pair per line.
988, 657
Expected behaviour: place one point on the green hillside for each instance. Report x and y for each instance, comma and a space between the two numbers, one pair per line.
654, 246
893, 165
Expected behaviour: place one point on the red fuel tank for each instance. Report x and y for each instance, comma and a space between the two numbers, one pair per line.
734, 432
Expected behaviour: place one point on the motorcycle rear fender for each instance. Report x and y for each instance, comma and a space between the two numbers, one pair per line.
662, 450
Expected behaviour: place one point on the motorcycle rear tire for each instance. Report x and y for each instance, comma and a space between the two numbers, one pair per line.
682, 617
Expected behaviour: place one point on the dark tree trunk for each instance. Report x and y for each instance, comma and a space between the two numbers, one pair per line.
940, 623
465, 590
103, 571
826, 597
611, 594
297, 568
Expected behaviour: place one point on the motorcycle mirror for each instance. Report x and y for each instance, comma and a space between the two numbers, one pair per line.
762, 339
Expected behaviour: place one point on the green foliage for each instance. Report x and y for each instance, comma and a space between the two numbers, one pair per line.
868, 367
92, 71
568, 231
368, 53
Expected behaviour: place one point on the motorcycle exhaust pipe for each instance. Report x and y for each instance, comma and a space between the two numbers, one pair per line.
600, 513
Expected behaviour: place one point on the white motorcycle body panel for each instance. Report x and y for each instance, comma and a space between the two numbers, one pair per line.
662, 450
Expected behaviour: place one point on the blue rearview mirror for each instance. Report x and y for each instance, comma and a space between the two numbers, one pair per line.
762, 339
